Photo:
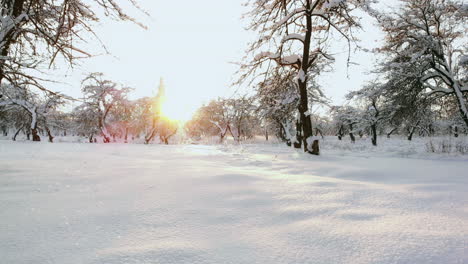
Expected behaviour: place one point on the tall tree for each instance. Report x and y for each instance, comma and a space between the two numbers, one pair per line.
376, 111
101, 96
299, 31
426, 47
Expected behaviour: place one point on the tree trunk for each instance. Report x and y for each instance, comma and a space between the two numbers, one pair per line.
51, 138
319, 131
105, 139
298, 143
165, 138
351, 135
287, 134
282, 134
315, 147
412, 130
222, 133
35, 135
461, 101
126, 135
150, 137
391, 132
9, 36
17, 132
410, 133
374, 134
303, 100
234, 137
340, 133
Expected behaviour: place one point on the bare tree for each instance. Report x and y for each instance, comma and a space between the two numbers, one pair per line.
299, 32
426, 41
38, 31
102, 96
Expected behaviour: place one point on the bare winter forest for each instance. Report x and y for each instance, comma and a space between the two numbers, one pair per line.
276, 170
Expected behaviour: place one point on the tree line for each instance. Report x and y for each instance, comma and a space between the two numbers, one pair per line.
421, 81
420, 85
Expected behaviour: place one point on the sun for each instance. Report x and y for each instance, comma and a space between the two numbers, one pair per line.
175, 104
174, 110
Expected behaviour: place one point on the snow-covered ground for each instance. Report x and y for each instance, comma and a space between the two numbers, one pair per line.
130, 203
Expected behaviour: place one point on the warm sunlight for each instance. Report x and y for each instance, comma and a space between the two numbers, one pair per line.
173, 110
249, 131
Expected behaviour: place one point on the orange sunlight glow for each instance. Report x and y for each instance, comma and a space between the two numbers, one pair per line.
173, 109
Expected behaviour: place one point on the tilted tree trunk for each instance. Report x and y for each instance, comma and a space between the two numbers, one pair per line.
235, 137
223, 133
150, 137
105, 139
319, 131
51, 138
152, 134
412, 130
165, 138
17, 132
103, 127
391, 132
280, 132
461, 101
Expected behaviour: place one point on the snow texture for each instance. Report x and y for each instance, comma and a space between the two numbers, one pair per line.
301, 76
116, 203
294, 36
332, 3
464, 60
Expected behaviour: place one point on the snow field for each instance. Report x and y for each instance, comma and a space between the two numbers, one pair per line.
128, 203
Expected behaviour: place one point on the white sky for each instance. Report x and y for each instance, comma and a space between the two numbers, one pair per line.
191, 44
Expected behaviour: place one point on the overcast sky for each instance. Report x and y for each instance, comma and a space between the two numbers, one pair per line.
191, 44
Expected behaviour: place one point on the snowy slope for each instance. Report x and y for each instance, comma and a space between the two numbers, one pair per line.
93, 203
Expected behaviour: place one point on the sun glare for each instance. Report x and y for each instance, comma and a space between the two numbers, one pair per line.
173, 110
